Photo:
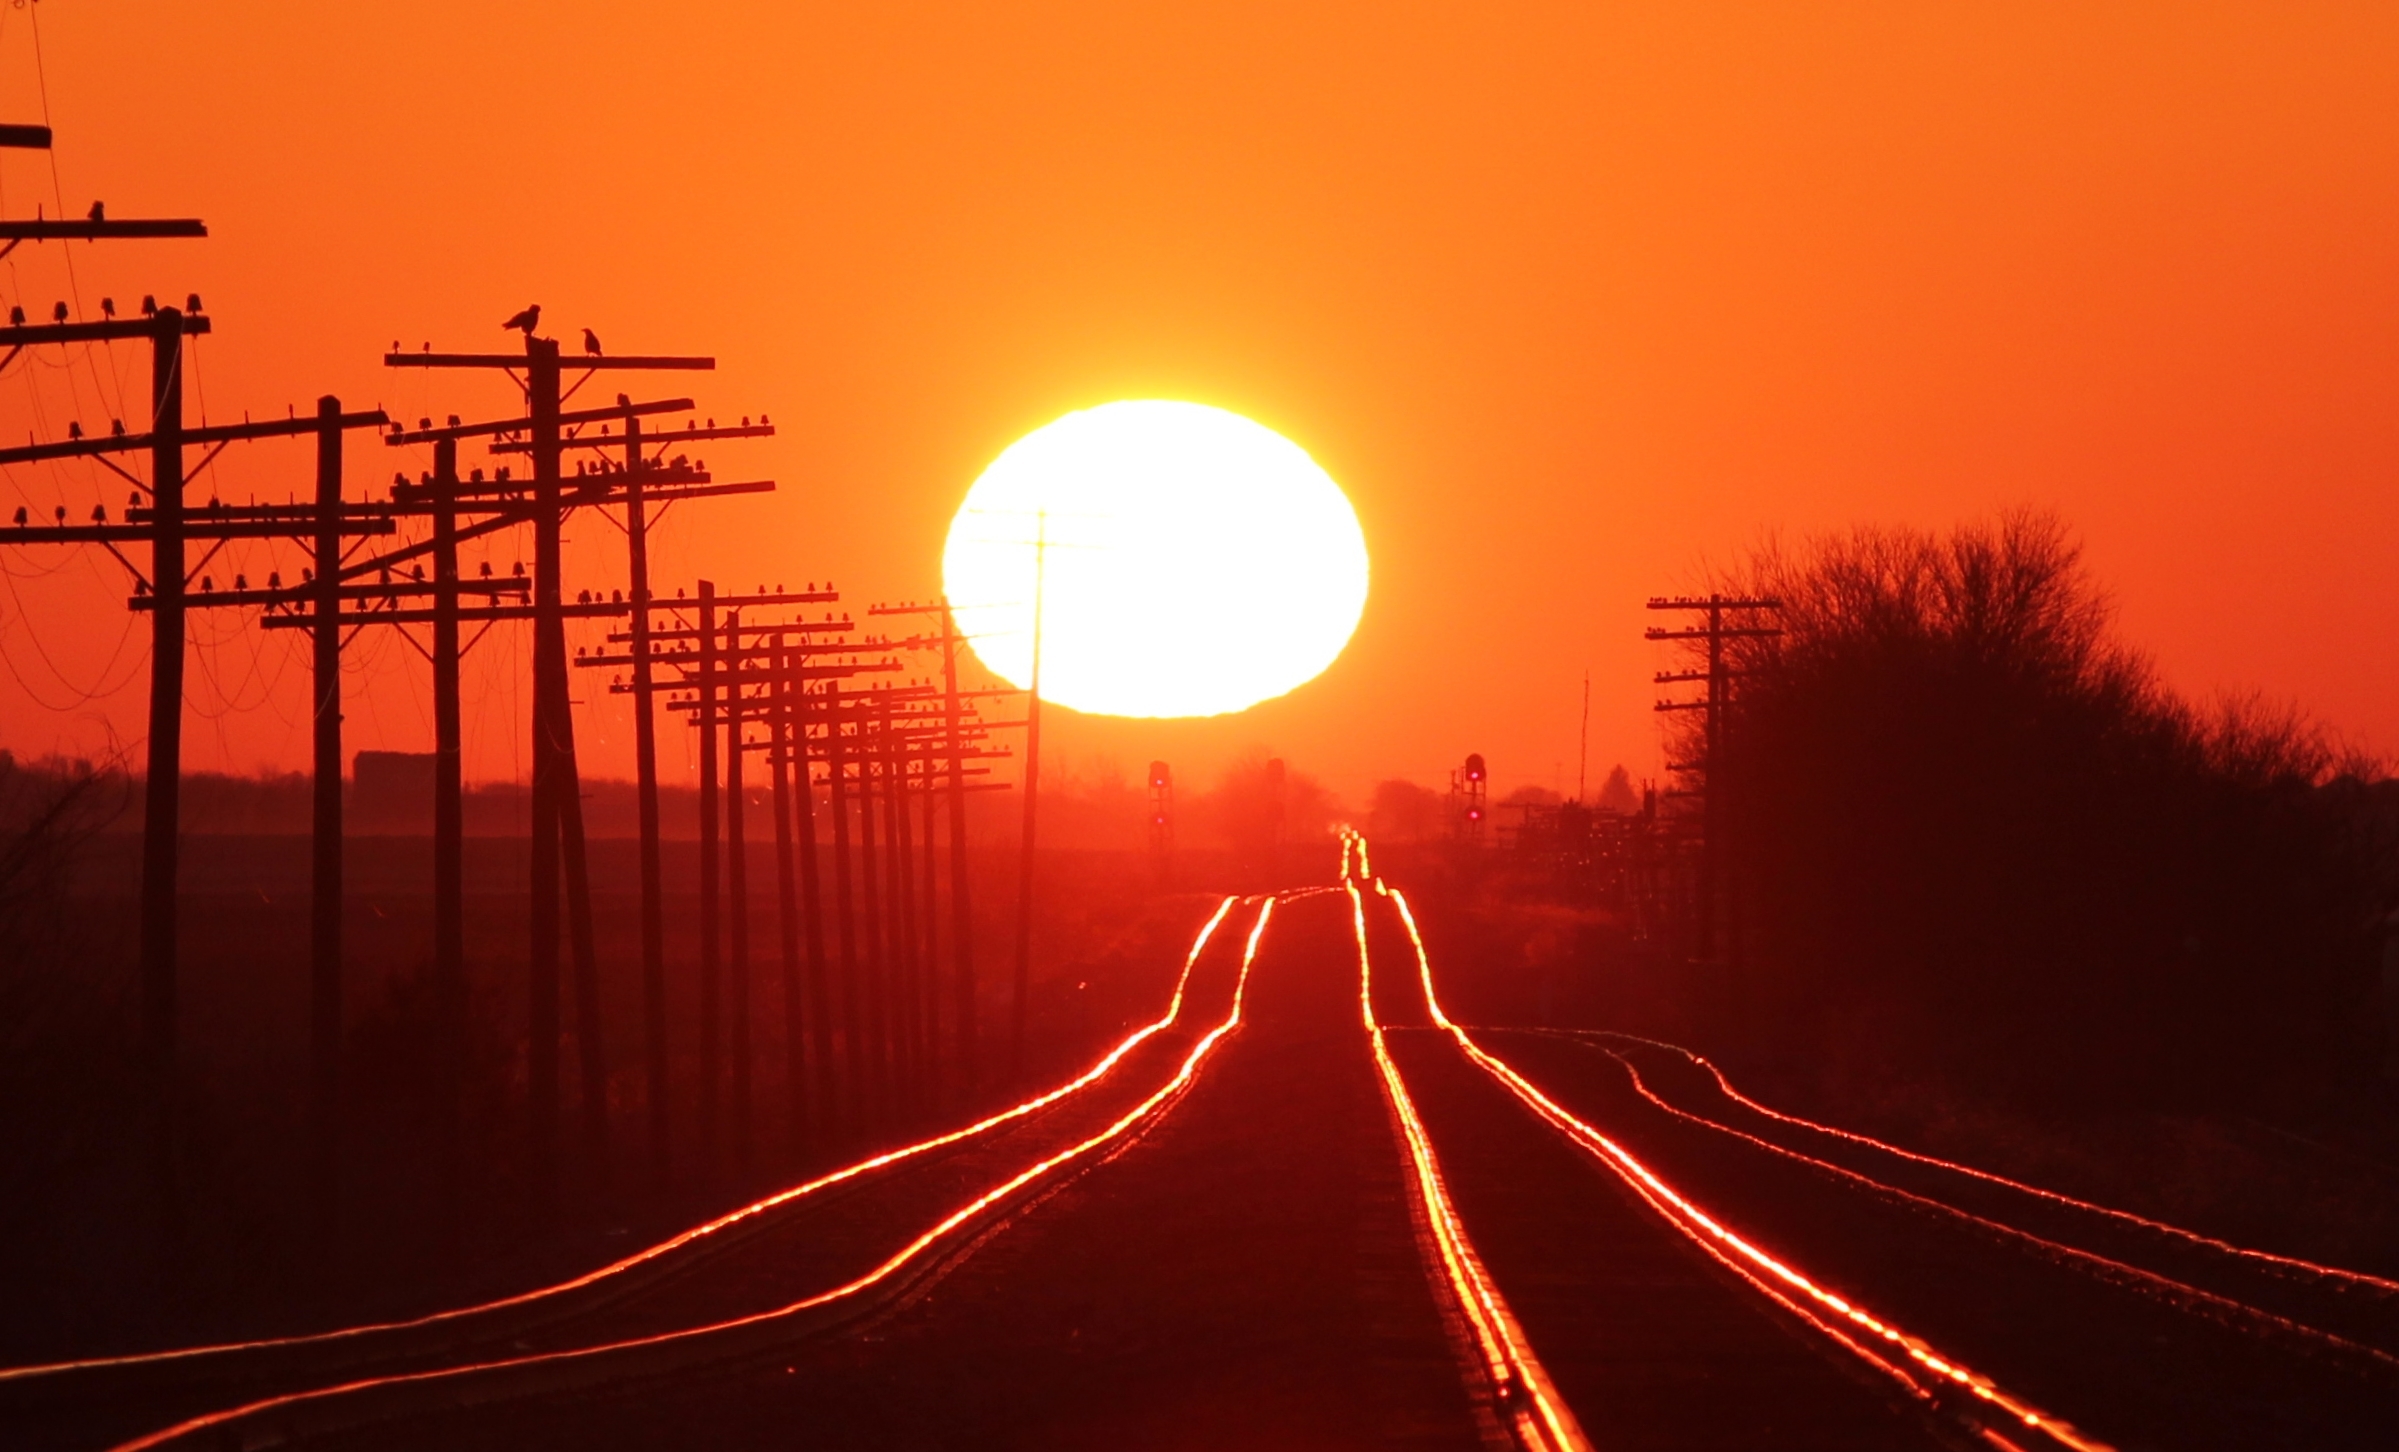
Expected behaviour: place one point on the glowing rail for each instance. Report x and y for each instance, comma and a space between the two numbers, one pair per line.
888, 1268
665, 1247
1535, 1412
1835, 1316
2207, 1242
2179, 1294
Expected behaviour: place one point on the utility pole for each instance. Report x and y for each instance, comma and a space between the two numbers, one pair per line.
1024, 882
709, 911
1711, 634
325, 897
645, 772
962, 936
165, 329
167, 526
557, 815
449, 848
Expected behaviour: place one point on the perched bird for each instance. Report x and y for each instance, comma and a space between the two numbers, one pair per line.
149, 305
58, 312
99, 514
116, 428
624, 400
99, 213
108, 307
191, 302
74, 429
20, 514
591, 342
16, 317
526, 321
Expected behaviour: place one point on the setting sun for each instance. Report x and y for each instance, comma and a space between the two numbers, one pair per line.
1189, 562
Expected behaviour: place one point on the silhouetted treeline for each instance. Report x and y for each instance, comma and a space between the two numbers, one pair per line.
1975, 835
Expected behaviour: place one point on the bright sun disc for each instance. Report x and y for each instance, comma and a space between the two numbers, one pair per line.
1195, 562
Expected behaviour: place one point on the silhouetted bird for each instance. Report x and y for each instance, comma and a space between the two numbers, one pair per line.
149, 305
116, 428
99, 212
20, 514
58, 312
591, 342
74, 430
526, 321
108, 307
624, 400
191, 302
16, 317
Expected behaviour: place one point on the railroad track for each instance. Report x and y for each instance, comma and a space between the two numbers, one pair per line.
2002, 1311
664, 1308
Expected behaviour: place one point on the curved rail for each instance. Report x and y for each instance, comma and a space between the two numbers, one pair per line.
383, 1397
655, 1253
2289, 1265
1873, 1339
1535, 1414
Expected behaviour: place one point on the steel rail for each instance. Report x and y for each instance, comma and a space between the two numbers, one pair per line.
1882, 1345
1536, 1415
2293, 1267
375, 1399
655, 1253
2107, 1270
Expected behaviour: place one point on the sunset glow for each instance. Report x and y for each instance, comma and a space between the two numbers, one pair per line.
1188, 561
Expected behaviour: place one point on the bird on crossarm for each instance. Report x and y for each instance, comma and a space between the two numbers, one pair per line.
526, 321
591, 342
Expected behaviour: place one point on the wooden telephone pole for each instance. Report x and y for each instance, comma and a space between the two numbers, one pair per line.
547, 432
1711, 633
168, 526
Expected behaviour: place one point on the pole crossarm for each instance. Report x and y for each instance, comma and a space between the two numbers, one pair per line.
471, 613
23, 137
213, 434
27, 335
637, 362
746, 602
469, 490
1703, 633
199, 528
307, 594
617, 441
510, 514
811, 673
1712, 602
95, 231
430, 435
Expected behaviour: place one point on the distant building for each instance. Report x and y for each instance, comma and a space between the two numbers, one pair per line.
391, 794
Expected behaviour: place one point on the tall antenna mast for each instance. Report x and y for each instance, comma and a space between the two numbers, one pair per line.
1582, 761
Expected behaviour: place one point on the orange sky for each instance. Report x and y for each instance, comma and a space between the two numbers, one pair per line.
1569, 297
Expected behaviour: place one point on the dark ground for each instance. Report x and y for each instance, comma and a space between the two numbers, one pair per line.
1108, 947
1244, 1276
